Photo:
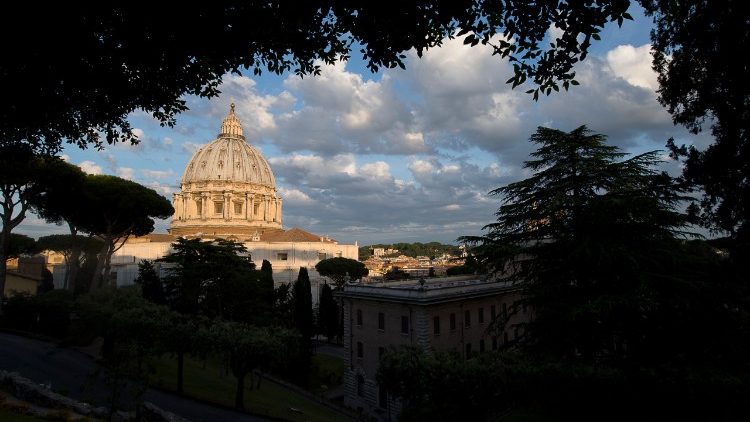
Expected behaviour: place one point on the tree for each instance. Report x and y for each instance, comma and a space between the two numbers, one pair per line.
583, 235
20, 244
702, 83
266, 284
23, 178
248, 348
73, 249
304, 320
337, 269
150, 282
328, 319
67, 202
123, 209
121, 59
213, 278
445, 386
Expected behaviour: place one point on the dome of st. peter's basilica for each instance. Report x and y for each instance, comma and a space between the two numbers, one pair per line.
228, 190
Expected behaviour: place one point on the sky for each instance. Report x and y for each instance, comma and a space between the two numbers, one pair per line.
400, 155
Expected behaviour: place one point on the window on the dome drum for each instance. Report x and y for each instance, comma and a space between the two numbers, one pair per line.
218, 207
199, 207
255, 209
238, 207
282, 256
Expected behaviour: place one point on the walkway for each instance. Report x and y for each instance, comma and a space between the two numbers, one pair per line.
70, 372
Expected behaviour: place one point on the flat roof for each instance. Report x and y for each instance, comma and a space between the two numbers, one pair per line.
434, 290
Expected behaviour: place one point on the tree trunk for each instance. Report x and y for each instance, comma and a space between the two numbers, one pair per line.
239, 398
96, 279
4, 248
180, 367
74, 261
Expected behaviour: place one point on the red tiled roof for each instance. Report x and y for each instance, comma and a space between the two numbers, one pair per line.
294, 235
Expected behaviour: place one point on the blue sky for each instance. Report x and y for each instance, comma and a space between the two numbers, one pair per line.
401, 155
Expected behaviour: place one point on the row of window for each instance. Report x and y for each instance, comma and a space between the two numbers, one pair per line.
436, 319
219, 207
381, 321
467, 318
495, 342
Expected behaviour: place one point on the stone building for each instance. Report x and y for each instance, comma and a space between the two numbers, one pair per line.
228, 191
446, 314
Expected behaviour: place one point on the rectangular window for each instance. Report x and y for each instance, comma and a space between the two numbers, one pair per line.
381, 321
481, 346
480, 316
436, 325
360, 350
321, 256
468, 350
282, 256
404, 324
467, 319
256, 209
238, 208
218, 207
493, 313
359, 317
453, 322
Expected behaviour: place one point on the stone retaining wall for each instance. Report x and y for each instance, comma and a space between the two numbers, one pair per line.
29, 391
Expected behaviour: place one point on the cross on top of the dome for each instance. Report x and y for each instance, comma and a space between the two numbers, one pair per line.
231, 126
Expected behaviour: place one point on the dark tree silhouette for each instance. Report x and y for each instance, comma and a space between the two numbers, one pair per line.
304, 321
582, 234
151, 285
24, 177
92, 66
122, 209
328, 319
703, 84
73, 249
337, 269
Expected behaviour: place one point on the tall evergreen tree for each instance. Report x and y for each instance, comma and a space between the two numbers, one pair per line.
303, 314
328, 319
266, 284
586, 235
151, 285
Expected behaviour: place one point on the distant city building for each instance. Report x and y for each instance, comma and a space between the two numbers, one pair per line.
228, 191
447, 314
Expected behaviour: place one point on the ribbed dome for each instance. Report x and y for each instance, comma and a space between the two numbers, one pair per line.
229, 158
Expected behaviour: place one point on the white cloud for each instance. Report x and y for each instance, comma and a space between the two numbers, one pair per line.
90, 167
126, 173
634, 65
295, 196
157, 174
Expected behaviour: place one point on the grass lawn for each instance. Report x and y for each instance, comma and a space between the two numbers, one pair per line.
327, 372
209, 382
7, 415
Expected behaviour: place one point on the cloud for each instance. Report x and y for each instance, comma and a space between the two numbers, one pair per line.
347, 198
157, 174
634, 65
90, 167
126, 173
